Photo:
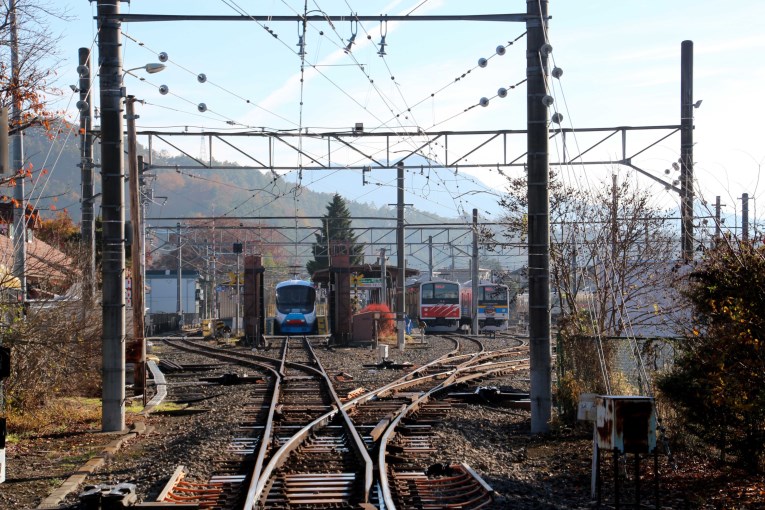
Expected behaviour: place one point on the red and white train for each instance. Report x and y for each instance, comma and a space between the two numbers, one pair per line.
434, 303
443, 305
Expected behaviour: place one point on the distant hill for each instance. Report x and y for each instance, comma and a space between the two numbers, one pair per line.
202, 192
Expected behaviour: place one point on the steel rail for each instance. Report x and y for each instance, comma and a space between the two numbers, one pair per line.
451, 380
296, 440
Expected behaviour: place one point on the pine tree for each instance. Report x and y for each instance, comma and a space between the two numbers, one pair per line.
335, 226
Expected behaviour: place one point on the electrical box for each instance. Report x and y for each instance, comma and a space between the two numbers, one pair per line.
626, 423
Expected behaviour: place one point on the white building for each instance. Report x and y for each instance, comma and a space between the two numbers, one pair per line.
162, 292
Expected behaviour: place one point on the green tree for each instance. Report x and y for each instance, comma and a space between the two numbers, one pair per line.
718, 381
335, 226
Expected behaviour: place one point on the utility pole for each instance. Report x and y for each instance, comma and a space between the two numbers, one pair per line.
537, 101
614, 220
113, 192
384, 275
474, 276
5, 352
717, 218
87, 225
745, 217
430, 257
179, 302
137, 349
214, 297
238, 252
208, 313
400, 325
17, 162
686, 149
142, 208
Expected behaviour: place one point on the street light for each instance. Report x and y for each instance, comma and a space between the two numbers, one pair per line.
151, 68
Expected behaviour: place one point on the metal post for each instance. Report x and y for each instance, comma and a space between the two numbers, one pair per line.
136, 352
142, 209
474, 275
430, 257
538, 217
400, 325
717, 218
4, 149
384, 277
614, 221
451, 268
745, 217
208, 313
214, 297
238, 296
686, 148
17, 162
113, 213
179, 302
87, 225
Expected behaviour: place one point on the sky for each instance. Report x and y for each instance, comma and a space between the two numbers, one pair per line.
620, 63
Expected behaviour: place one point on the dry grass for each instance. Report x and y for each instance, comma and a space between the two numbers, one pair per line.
57, 416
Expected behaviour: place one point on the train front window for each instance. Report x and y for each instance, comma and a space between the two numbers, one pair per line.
295, 299
436, 293
493, 295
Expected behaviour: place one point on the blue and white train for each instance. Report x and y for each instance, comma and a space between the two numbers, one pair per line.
295, 308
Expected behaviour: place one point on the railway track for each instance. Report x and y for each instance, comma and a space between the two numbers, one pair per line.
302, 447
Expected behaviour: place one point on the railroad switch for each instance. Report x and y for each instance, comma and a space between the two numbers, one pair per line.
231, 379
108, 497
387, 364
490, 394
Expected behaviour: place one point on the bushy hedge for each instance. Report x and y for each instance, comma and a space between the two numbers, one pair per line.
718, 381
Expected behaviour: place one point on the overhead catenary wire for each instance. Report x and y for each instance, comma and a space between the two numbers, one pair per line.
443, 181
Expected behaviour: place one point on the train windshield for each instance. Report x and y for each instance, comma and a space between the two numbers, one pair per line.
296, 298
493, 295
434, 293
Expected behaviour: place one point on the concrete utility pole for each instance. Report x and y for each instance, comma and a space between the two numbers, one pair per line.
537, 101
384, 278
686, 148
137, 349
474, 275
113, 243
87, 225
17, 163
430, 257
717, 218
400, 325
745, 217
179, 302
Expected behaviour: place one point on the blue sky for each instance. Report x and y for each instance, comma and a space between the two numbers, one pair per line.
620, 61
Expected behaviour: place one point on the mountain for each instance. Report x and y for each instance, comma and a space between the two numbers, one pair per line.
242, 193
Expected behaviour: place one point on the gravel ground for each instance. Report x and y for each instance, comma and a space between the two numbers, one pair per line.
535, 473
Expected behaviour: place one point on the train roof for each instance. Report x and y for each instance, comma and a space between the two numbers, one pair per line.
434, 280
482, 283
300, 283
